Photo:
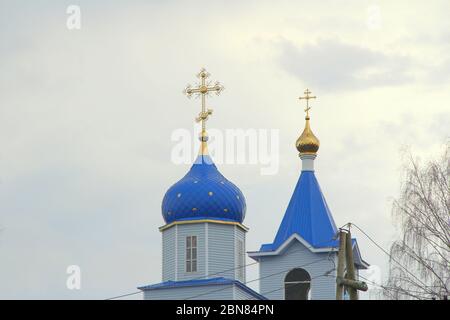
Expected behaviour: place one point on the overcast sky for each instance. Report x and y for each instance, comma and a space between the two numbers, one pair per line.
86, 118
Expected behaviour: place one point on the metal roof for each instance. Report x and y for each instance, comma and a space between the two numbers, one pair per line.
203, 282
307, 215
203, 193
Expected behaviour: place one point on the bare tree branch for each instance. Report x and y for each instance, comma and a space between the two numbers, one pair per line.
423, 212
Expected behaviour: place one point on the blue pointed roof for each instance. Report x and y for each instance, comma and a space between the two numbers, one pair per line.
307, 215
204, 193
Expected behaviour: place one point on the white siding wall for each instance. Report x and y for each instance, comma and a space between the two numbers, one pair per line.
297, 255
240, 236
221, 251
240, 294
168, 254
215, 254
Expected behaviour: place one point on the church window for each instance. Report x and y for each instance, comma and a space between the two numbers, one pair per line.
297, 285
191, 254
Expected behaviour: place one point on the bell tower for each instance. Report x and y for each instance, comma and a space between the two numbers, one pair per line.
301, 261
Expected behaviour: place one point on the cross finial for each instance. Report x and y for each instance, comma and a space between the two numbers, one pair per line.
203, 89
307, 97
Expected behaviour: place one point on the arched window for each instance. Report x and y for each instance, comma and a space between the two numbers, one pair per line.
297, 285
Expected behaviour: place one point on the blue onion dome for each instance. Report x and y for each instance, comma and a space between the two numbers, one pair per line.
204, 193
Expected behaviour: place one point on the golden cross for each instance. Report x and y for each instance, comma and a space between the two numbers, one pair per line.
203, 89
307, 97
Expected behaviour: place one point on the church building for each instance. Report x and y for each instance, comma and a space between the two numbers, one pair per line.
301, 261
203, 238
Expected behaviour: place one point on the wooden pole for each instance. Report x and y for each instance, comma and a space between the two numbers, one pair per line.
350, 266
341, 265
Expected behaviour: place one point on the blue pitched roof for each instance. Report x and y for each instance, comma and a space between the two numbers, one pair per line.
203, 193
202, 282
307, 215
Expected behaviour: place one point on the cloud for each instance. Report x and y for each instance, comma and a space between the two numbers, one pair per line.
439, 74
335, 65
86, 119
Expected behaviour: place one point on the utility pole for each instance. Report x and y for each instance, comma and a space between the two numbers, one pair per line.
350, 266
349, 281
341, 265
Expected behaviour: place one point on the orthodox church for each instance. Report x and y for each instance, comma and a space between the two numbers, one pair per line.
203, 238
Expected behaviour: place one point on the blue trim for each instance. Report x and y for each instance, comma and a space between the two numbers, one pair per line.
250, 291
202, 282
206, 218
359, 262
268, 247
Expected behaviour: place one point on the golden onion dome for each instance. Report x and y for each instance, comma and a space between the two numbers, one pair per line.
307, 143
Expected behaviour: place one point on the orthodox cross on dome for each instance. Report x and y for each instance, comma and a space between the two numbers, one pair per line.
307, 97
203, 89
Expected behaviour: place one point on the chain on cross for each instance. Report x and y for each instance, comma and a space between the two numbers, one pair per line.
307, 97
203, 89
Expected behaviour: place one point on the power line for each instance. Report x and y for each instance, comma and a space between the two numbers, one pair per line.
224, 271
302, 249
326, 274
401, 290
124, 295
253, 263
238, 267
197, 278
260, 278
382, 286
388, 254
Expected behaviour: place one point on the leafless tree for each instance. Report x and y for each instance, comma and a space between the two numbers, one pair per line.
419, 261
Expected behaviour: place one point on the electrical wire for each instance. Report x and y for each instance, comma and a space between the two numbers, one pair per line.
124, 295
388, 254
412, 292
230, 269
326, 274
260, 278
253, 263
